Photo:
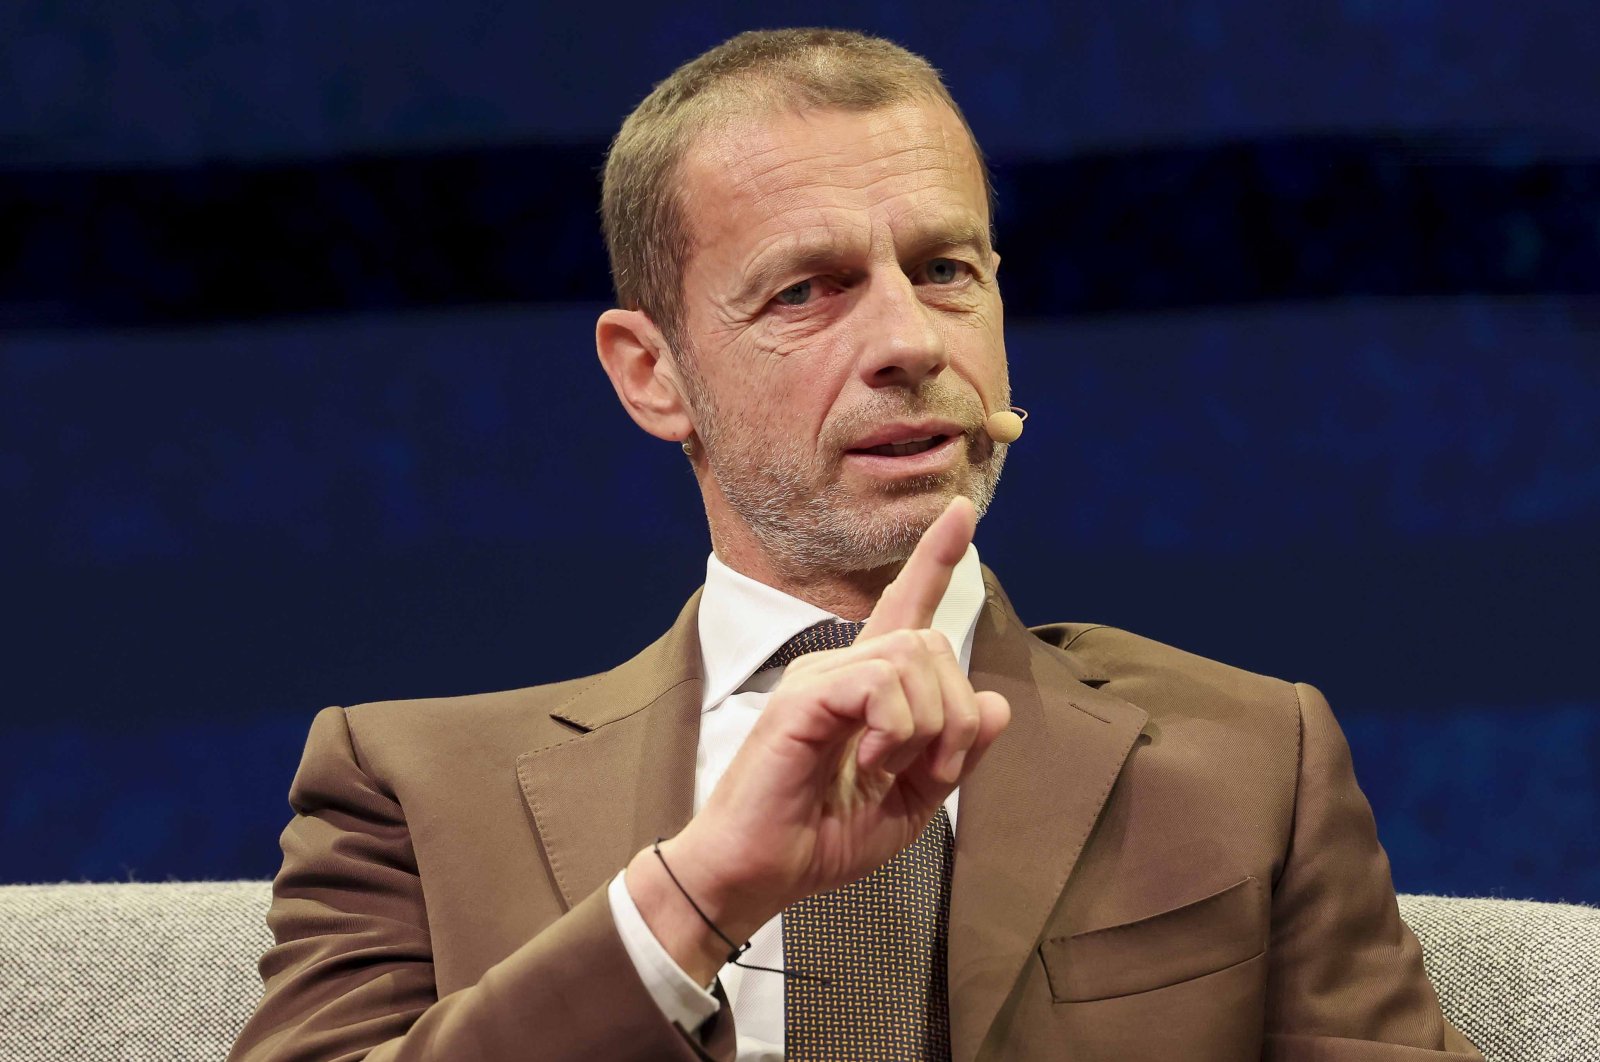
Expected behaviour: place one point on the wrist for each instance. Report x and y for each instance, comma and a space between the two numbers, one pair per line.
690, 916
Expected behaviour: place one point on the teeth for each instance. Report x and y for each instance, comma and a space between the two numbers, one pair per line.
904, 449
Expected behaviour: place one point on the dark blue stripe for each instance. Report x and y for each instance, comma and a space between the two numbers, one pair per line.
1252, 221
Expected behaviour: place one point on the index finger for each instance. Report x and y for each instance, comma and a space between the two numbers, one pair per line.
909, 602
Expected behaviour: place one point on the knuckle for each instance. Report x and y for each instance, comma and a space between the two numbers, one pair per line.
902, 645
964, 722
881, 673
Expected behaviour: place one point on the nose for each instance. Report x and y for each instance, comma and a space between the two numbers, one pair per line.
901, 344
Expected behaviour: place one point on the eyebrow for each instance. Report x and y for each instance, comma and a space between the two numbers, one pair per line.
960, 232
812, 255
804, 256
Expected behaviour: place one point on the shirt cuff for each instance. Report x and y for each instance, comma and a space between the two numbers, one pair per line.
684, 1003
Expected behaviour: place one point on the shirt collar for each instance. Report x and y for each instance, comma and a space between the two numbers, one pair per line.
743, 622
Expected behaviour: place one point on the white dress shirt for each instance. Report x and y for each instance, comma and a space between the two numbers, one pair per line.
742, 623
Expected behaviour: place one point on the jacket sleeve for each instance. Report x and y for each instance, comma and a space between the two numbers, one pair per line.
351, 974
1346, 981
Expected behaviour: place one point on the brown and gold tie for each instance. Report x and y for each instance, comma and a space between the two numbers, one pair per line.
878, 942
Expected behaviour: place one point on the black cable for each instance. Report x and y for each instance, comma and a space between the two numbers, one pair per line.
738, 949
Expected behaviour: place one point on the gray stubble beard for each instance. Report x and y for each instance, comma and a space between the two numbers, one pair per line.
803, 530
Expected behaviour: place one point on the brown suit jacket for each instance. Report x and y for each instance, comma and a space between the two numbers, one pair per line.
1162, 858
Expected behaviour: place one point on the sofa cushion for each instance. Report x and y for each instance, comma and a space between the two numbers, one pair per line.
129, 971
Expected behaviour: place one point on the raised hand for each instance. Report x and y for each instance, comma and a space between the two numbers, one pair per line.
853, 753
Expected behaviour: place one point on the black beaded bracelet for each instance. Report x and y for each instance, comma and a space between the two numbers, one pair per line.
737, 949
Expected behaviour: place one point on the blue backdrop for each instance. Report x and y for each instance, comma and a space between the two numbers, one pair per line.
298, 403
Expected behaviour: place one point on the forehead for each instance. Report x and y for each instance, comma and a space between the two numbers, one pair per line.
755, 179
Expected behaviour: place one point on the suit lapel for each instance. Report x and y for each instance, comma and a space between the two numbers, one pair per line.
1026, 812
625, 776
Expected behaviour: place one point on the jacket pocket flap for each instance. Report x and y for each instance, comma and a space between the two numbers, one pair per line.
1163, 949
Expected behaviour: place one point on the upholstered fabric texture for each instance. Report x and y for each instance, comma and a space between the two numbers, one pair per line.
129, 972
1520, 979
168, 972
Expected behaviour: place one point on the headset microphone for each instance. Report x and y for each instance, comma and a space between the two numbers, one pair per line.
1006, 425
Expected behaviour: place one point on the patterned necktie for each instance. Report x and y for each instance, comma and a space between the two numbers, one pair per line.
829, 634
880, 942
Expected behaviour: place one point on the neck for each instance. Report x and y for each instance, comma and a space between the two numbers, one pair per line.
848, 595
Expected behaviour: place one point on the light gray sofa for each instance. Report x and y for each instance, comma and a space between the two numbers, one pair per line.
168, 972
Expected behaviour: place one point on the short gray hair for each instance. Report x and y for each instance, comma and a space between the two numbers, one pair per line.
642, 209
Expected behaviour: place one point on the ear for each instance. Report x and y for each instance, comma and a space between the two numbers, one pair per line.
635, 355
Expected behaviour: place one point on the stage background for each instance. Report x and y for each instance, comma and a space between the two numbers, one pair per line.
298, 403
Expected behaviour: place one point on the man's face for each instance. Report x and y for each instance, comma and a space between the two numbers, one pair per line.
842, 331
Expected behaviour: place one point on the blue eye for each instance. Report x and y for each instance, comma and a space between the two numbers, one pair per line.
944, 271
796, 295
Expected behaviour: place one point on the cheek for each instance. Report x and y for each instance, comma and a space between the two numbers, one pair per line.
977, 337
765, 400
977, 348
796, 378
794, 408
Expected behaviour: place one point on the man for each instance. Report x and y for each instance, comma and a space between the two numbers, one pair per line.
948, 838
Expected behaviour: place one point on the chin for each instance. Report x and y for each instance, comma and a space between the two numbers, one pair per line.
924, 498
882, 532
850, 529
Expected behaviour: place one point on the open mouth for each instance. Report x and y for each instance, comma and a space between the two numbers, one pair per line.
904, 449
